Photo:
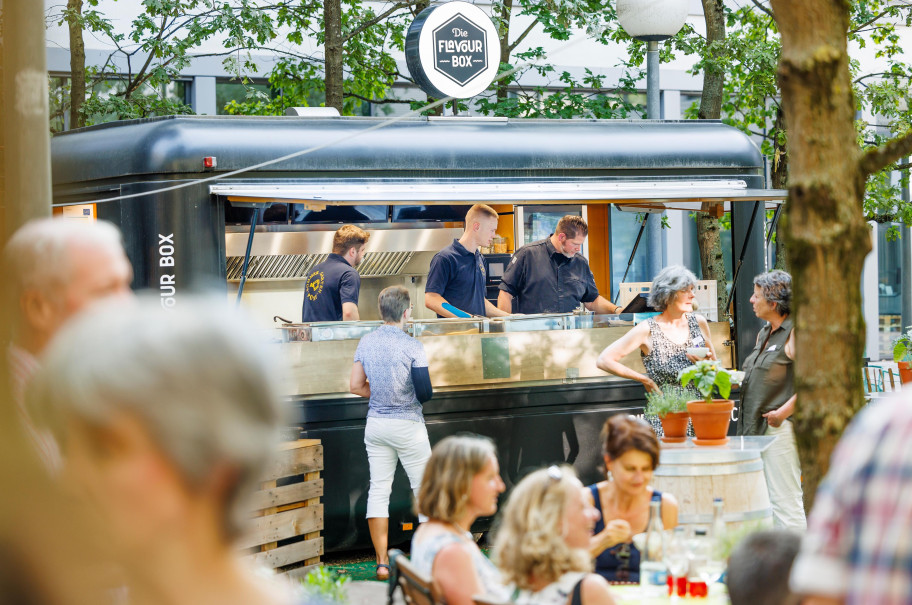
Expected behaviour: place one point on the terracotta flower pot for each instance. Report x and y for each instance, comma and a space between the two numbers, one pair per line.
905, 371
710, 420
674, 426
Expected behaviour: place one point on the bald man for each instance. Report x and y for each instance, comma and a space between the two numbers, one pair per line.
457, 273
57, 267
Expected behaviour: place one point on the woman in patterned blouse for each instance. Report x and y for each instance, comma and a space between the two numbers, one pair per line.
663, 340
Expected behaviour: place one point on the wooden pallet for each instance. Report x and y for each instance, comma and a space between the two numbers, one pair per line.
287, 509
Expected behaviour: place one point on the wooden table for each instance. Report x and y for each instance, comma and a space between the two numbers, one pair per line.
630, 594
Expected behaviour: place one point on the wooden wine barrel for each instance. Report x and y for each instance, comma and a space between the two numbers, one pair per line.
695, 475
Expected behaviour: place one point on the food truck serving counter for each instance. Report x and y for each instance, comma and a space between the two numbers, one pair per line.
530, 383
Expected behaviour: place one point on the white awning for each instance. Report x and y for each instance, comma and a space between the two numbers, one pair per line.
643, 195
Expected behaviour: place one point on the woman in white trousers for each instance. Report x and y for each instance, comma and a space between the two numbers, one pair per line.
391, 370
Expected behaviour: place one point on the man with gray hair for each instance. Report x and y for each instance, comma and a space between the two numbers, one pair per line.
168, 418
57, 268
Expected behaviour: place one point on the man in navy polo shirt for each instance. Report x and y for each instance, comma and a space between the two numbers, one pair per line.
457, 274
551, 276
332, 287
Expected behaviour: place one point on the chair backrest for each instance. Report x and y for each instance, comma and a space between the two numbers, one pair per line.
417, 589
874, 379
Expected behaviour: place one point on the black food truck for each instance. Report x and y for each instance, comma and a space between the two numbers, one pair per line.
249, 204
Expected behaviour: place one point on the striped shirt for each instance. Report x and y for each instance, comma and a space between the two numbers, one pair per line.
23, 366
859, 540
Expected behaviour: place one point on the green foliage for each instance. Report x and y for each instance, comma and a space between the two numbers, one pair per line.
749, 57
369, 40
735, 535
708, 376
326, 585
902, 346
672, 399
160, 42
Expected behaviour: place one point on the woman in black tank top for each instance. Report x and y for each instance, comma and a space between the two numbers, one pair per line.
631, 453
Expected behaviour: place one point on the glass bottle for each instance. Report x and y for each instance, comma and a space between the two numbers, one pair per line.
653, 572
714, 566
696, 586
718, 530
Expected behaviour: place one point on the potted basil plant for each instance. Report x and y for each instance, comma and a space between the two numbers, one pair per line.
902, 355
710, 416
670, 405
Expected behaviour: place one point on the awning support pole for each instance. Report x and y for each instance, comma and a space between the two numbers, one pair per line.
750, 227
773, 224
630, 260
253, 222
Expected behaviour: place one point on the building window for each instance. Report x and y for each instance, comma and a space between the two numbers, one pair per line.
889, 289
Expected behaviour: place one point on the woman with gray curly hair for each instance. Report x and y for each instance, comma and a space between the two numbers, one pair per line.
542, 546
663, 340
768, 396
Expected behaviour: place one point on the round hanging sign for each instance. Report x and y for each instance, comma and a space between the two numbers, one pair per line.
452, 50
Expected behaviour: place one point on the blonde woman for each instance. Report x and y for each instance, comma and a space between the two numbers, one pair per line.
461, 483
542, 546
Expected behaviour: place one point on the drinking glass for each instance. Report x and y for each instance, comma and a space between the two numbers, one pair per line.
676, 556
708, 562
677, 561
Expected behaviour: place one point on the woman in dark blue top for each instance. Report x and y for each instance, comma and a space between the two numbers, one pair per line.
631, 453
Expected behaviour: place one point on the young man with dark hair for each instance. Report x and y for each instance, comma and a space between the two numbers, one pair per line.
551, 276
332, 287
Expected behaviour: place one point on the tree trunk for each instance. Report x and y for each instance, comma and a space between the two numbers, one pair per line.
709, 241
332, 31
709, 231
713, 76
77, 64
779, 177
825, 232
503, 32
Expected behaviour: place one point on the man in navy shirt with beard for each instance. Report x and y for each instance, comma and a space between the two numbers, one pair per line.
457, 274
332, 287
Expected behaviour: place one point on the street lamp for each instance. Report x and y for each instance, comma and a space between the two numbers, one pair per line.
652, 21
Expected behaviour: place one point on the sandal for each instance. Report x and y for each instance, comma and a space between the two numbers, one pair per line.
385, 576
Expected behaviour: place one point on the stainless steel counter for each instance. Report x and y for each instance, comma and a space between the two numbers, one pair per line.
354, 330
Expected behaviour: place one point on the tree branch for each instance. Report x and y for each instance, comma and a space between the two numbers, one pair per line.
377, 19
522, 36
870, 21
859, 79
764, 9
134, 84
879, 158
378, 101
